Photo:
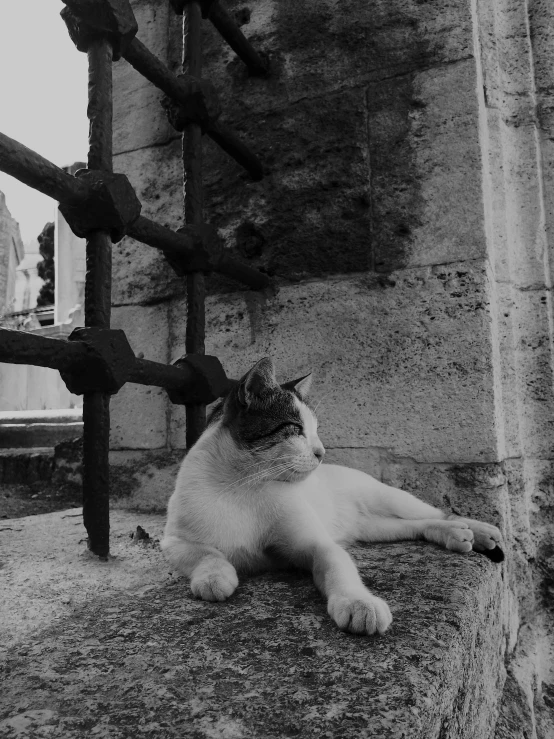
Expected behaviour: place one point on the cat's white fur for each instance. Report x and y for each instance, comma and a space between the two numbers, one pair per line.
222, 518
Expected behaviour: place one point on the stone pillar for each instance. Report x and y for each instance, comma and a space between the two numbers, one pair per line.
407, 216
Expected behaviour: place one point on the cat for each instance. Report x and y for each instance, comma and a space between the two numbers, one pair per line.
254, 492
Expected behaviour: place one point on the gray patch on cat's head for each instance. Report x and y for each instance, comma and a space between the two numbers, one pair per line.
259, 412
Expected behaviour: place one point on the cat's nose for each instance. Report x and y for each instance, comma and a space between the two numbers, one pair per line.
319, 452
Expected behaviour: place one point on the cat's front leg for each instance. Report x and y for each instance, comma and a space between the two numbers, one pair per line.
212, 576
349, 603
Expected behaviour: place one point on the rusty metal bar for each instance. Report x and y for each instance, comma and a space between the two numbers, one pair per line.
192, 165
37, 172
96, 405
227, 27
167, 376
230, 267
20, 347
182, 90
230, 143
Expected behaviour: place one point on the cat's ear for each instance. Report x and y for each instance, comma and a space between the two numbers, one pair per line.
301, 386
257, 381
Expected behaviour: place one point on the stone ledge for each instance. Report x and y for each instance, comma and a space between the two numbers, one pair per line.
121, 649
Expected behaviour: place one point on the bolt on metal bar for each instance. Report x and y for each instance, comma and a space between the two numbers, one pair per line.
96, 405
180, 90
192, 166
229, 30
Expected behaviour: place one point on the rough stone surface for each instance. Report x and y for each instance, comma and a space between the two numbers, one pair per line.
143, 481
137, 93
121, 649
139, 412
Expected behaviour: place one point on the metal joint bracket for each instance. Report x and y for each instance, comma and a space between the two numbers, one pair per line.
208, 251
107, 365
202, 104
112, 205
89, 20
210, 380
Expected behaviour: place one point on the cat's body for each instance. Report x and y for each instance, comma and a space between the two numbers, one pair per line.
253, 493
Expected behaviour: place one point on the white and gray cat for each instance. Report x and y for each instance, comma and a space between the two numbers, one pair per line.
253, 491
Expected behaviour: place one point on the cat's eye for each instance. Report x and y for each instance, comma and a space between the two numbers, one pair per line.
293, 428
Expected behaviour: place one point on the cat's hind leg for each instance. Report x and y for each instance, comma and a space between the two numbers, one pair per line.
212, 576
455, 535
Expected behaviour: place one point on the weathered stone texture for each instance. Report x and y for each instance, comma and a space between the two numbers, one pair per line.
139, 412
135, 93
400, 362
424, 160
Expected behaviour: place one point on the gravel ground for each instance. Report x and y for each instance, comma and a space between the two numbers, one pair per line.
17, 501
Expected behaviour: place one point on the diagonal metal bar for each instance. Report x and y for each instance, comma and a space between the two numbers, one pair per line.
229, 30
182, 90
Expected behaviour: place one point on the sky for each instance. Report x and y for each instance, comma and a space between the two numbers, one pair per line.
43, 99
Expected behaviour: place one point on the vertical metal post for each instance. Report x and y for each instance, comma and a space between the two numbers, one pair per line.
96, 406
192, 165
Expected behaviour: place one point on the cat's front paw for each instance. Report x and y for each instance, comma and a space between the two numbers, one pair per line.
362, 613
214, 582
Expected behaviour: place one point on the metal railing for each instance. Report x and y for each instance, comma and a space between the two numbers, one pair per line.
102, 207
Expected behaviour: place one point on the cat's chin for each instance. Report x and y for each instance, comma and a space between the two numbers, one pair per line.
294, 475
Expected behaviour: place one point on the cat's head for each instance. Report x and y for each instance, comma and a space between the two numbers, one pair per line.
271, 423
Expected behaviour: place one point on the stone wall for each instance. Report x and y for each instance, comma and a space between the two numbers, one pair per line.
407, 215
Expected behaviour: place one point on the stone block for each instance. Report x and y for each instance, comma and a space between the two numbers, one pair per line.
141, 274
402, 362
319, 48
425, 163
356, 181
526, 220
270, 655
311, 214
138, 117
139, 412
533, 358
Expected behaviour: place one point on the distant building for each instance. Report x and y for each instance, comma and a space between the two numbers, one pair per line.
25, 387
27, 281
11, 255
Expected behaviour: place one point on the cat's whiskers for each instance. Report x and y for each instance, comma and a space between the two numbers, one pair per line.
251, 479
